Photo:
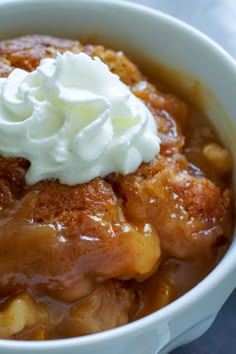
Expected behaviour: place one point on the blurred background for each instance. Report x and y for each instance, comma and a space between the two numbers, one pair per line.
216, 18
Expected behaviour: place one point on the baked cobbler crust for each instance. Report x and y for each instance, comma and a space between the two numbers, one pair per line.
81, 259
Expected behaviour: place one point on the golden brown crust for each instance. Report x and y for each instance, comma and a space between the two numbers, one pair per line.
117, 62
189, 213
168, 181
26, 52
80, 234
63, 241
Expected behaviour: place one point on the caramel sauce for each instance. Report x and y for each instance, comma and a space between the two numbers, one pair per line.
83, 259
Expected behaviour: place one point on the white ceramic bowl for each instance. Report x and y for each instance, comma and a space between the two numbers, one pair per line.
138, 30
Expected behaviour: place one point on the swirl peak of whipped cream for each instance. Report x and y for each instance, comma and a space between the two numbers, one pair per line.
74, 120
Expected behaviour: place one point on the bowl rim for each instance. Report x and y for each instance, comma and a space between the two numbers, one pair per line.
227, 264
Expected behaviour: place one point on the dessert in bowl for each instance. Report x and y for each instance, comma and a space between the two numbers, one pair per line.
88, 257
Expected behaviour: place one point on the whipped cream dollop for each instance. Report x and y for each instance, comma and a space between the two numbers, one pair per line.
74, 120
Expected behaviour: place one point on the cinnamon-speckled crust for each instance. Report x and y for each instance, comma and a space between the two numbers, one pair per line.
80, 234
189, 213
26, 52
81, 243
